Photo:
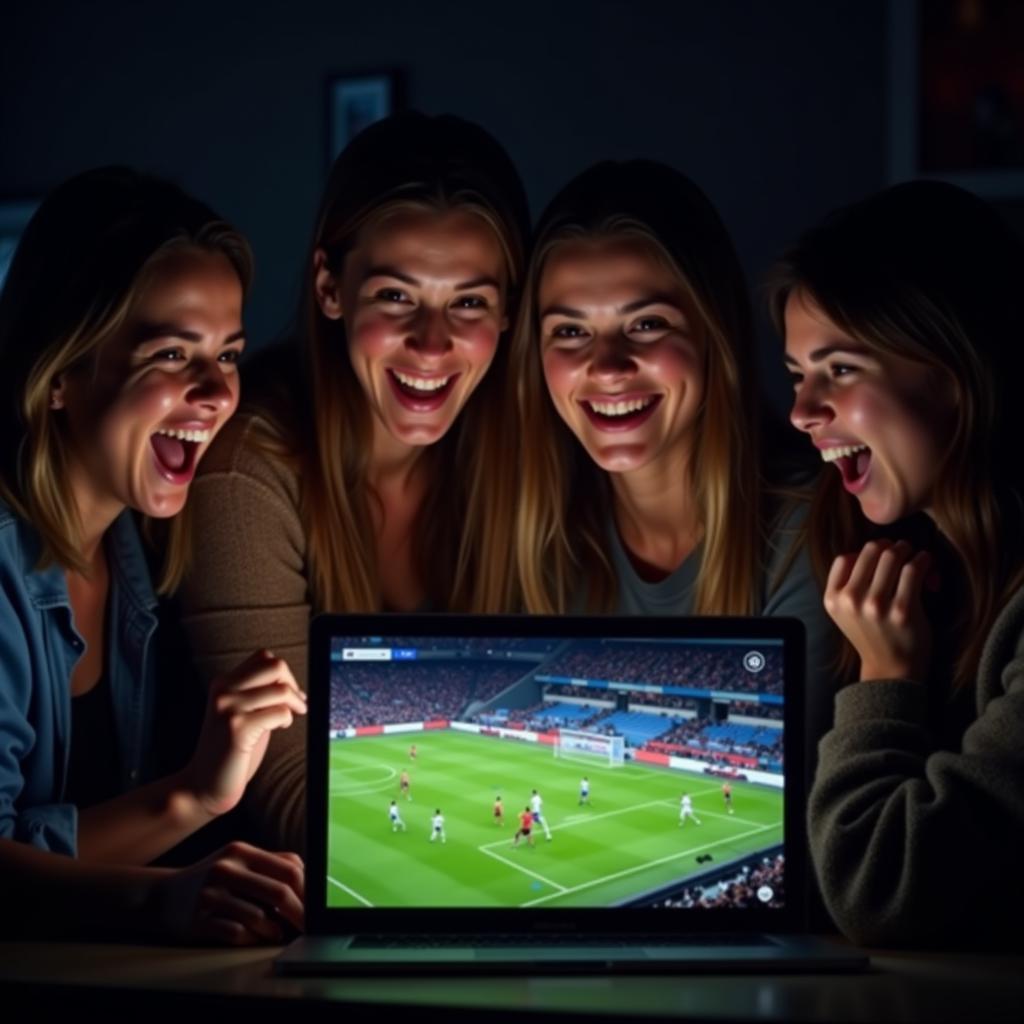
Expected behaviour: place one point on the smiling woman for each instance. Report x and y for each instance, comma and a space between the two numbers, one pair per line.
372, 467
903, 326
111, 387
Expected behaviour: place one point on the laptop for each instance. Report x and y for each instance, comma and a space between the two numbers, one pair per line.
532, 794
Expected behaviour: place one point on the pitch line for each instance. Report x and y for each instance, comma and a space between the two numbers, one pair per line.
649, 864
362, 899
729, 817
519, 867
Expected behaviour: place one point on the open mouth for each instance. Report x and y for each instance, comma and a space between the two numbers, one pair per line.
175, 453
620, 412
420, 393
853, 462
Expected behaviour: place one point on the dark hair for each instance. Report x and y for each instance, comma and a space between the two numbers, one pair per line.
85, 255
929, 272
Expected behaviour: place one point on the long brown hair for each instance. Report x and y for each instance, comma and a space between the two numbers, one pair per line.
88, 252
928, 272
564, 502
409, 161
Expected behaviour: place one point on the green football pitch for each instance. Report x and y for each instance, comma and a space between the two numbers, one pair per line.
625, 843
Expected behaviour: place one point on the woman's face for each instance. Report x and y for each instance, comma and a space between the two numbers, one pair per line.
621, 360
140, 414
423, 300
881, 420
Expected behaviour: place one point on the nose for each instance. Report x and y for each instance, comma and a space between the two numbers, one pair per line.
429, 335
811, 408
211, 388
611, 359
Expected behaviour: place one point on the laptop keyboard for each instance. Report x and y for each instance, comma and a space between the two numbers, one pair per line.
493, 941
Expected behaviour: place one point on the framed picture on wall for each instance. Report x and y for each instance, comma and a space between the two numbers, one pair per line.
957, 94
353, 103
14, 215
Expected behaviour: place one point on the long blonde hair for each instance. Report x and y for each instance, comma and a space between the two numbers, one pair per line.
406, 162
564, 501
929, 273
89, 251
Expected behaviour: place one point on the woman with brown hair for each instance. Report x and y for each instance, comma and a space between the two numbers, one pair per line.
903, 326
374, 468
120, 331
640, 485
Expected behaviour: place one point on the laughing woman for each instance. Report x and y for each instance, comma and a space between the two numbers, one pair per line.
372, 470
904, 332
120, 329
641, 491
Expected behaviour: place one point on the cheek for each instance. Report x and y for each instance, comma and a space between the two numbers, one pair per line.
674, 367
478, 343
561, 373
372, 338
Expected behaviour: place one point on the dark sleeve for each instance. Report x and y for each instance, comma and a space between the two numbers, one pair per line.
914, 845
247, 589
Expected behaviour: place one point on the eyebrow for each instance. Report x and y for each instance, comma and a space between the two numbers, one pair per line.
629, 307
484, 280
151, 332
827, 350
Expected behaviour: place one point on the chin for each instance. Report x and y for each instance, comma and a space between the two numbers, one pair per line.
162, 507
419, 436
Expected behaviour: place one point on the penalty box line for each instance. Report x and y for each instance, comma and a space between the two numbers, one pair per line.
519, 867
649, 864
344, 888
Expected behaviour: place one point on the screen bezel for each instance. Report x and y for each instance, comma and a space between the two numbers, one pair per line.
324, 920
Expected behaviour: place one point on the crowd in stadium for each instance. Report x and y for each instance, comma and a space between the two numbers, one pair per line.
381, 693
699, 732
706, 668
739, 890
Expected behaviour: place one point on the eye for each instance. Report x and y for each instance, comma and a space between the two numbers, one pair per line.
476, 302
795, 377
230, 355
395, 295
648, 324
168, 355
842, 369
569, 332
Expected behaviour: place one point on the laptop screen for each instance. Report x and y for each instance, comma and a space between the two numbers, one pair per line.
571, 770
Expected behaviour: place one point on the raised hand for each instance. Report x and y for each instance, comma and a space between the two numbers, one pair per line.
244, 706
874, 597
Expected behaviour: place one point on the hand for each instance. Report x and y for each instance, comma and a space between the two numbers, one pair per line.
874, 597
239, 896
244, 706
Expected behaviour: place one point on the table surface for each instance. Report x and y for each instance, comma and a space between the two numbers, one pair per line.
898, 987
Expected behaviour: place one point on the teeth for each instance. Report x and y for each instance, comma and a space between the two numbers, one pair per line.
421, 383
831, 454
620, 408
196, 436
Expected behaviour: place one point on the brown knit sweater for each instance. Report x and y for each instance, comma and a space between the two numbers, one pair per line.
917, 813
248, 589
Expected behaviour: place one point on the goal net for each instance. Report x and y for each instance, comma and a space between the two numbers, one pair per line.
586, 747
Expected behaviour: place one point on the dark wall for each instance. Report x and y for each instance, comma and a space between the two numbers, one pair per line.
776, 109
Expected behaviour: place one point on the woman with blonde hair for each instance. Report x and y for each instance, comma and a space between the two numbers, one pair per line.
120, 331
374, 470
904, 325
641, 490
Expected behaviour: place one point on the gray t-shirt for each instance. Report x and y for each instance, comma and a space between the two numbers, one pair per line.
796, 595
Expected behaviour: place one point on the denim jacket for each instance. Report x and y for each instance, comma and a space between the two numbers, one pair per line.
38, 650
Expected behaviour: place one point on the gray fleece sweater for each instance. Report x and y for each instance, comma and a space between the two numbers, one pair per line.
917, 812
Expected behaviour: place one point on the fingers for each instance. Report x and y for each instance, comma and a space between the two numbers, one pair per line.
257, 670
240, 919
274, 881
253, 699
910, 585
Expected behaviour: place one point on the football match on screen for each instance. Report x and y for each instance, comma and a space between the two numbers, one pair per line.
546, 773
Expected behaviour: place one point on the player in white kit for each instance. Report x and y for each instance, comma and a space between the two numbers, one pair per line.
536, 803
584, 790
396, 818
437, 826
686, 810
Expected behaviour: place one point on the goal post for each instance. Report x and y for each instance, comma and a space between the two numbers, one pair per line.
586, 747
